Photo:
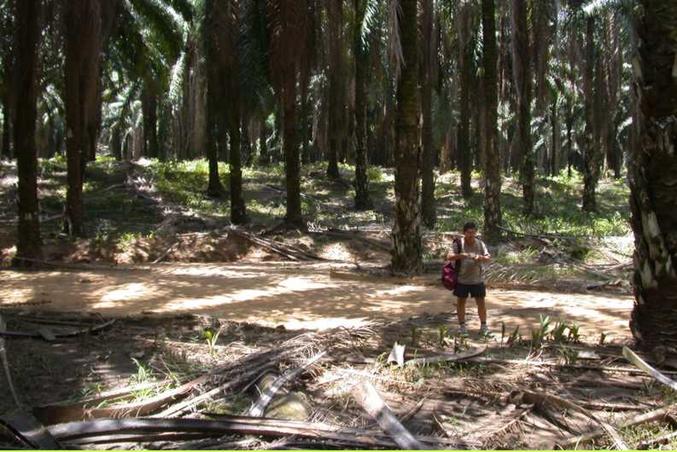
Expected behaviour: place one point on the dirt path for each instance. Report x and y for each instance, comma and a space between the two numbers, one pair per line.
294, 295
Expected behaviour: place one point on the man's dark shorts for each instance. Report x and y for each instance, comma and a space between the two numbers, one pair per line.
474, 290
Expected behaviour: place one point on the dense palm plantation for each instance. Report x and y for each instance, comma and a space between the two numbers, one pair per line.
529, 89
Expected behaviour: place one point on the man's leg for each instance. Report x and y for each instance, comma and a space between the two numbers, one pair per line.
482, 310
460, 313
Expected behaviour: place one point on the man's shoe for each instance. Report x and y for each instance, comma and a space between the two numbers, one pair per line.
462, 331
484, 331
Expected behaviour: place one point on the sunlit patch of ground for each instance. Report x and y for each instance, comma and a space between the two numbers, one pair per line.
296, 296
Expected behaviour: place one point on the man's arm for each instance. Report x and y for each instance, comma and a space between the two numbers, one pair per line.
453, 255
485, 256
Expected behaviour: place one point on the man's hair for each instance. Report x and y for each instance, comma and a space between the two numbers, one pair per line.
469, 225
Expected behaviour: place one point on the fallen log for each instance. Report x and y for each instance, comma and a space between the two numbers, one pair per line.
650, 416
641, 364
258, 408
367, 396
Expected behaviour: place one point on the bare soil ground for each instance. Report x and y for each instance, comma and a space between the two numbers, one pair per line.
231, 314
294, 295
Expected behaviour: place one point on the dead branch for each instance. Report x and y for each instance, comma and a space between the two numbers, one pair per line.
266, 397
535, 363
138, 430
5, 363
367, 396
27, 429
42, 333
446, 357
651, 443
641, 364
650, 416
187, 405
542, 398
166, 253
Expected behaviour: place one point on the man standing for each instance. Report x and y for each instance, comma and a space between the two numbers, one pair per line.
470, 254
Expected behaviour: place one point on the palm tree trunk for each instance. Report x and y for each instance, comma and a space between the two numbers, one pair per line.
492, 161
82, 42
522, 77
214, 185
238, 212
6, 127
27, 36
362, 199
6, 87
653, 176
428, 161
264, 132
336, 98
149, 110
465, 68
407, 248
294, 217
592, 144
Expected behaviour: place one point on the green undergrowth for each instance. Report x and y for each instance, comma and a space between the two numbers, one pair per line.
330, 203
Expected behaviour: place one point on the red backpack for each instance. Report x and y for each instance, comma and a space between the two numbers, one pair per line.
450, 269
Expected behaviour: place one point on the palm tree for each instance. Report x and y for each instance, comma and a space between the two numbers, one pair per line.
522, 80
465, 63
407, 249
26, 43
428, 160
593, 152
288, 32
652, 179
364, 12
6, 56
492, 168
336, 88
83, 43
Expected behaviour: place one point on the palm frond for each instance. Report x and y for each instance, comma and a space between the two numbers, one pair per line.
160, 20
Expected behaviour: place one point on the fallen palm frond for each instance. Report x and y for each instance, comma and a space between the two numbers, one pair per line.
446, 357
266, 397
641, 364
373, 404
650, 416
542, 398
102, 431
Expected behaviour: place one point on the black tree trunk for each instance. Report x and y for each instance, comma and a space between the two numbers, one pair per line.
27, 36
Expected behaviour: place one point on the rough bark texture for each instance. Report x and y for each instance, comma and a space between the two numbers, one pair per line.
407, 249
465, 68
238, 212
653, 178
288, 26
593, 153
264, 156
492, 161
522, 77
428, 162
82, 42
6, 90
362, 199
336, 98
149, 109
27, 36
